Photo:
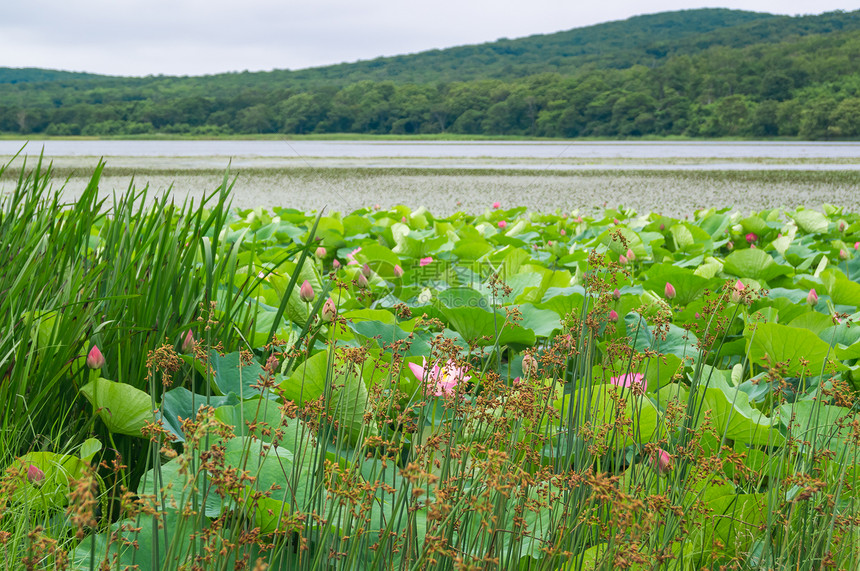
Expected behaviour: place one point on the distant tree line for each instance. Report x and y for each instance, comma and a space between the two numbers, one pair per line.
808, 88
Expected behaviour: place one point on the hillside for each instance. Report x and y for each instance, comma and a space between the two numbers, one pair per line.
709, 72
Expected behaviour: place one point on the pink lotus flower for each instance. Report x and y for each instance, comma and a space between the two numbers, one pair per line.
95, 359
425, 261
812, 297
669, 291
502, 224
329, 311
306, 292
34, 474
563, 232
320, 252
613, 316
661, 461
549, 243
751, 237
398, 271
629, 380
856, 245
440, 381
497, 205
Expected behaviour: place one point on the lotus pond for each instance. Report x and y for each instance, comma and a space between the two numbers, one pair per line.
198, 387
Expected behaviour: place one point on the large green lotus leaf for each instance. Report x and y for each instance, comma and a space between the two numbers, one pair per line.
677, 341
391, 335
549, 279
688, 286
506, 260
633, 241
232, 375
484, 328
824, 425
182, 403
813, 321
285, 477
353, 225
471, 249
733, 416
123, 408
542, 321
598, 405
734, 521
263, 325
379, 258
563, 301
787, 345
462, 297
348, 392
690, 238
182, 484
525, 287
53, 491
811, 221
842, 290
755, 264
261, 414
660, 371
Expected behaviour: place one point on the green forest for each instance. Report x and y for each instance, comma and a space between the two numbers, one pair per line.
693, 73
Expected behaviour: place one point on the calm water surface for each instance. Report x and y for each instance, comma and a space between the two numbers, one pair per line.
847, 154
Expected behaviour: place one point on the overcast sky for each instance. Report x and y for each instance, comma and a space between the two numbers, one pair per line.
197, 37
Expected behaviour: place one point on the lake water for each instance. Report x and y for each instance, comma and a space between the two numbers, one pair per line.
674, 178
428, 154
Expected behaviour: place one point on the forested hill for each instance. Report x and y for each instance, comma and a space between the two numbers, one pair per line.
699, 73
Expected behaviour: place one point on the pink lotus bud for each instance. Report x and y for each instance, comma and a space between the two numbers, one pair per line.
578, 219
616, 221
661, 461
35, 474
459, 203
730, 245
630, 255
403, 219
622, 259
329, 311
613, 316
843, 255
812, 298
856, 245
188, 342
549, 243
362, 280
562, 232
669, 290
530, 366
502, 224
398, 271
737, 291
95, 359
698, 315
751, 237
497, 205
306, 292
365, 269
616, 294
842, 226
425, 261
320, 252
376, 207
662, 227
